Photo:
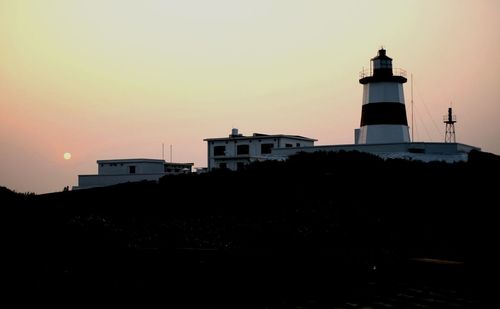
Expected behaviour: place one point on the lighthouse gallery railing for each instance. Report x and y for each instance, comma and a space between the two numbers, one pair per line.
395, 71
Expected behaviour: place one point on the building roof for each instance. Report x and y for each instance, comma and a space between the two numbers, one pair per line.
260, 136
142, 160
139, 160
417, 147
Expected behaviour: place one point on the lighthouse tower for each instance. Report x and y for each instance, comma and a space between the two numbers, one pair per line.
383, 115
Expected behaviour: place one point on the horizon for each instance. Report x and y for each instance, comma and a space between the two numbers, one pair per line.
84, 81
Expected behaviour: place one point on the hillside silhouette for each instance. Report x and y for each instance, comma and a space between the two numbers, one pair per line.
301, 228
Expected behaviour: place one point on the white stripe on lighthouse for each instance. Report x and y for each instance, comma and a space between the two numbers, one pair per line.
383, 92
381, 134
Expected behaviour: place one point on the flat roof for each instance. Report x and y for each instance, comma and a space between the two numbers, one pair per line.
433, 147
140, 160
259, 136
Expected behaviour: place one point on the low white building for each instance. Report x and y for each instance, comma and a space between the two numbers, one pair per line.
420, 151
236, 151
112, 172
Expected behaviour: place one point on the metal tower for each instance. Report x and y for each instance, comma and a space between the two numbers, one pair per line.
450, 119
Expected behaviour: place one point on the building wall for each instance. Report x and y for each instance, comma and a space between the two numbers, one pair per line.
427, 152
231, 158
178, 168
120, 168
284, 142
113, 172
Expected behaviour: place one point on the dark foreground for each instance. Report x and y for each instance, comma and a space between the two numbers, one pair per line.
343, 230
206, 279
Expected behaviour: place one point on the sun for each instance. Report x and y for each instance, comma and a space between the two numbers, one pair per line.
67, 156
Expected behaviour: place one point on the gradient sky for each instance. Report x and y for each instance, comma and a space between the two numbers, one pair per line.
106, 79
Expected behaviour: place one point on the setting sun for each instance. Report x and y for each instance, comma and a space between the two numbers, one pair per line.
67, 156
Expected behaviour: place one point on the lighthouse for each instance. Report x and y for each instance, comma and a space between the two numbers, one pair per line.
383, 114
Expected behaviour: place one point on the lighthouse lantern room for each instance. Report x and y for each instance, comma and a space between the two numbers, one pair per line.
383, 114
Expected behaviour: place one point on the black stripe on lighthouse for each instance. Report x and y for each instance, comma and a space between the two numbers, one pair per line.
383, 113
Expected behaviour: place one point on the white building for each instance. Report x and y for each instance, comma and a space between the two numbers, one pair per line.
235, 151
420, 151
112, 172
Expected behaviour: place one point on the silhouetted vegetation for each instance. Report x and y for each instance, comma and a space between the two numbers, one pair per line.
290, 225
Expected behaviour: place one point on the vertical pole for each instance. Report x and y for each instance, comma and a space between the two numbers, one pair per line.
163, 151
170, 153
412, 124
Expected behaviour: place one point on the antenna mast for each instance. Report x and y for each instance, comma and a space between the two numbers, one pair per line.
412, 123
449, 120
170, 152
163, 151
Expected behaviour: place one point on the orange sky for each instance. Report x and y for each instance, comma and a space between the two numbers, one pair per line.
106, 79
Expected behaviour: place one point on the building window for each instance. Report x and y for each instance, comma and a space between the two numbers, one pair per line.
288, 145
131, 169
242, 150
298, 144
240, 166
223, 165
266, 148
219, 150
